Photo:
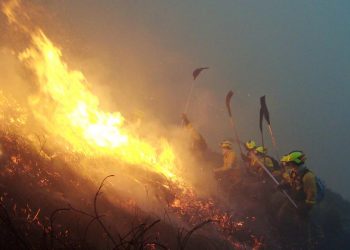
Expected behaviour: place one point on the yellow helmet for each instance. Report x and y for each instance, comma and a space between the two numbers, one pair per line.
284, 158
261, 150
226, 144
250, 145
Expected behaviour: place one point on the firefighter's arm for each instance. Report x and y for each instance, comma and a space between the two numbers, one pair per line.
310, 188
227, 164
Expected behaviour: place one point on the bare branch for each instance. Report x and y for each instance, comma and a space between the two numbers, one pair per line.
96, 213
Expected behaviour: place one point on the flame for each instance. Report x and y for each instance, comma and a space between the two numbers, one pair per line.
68, 109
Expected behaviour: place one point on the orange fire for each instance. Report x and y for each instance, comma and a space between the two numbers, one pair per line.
68, 109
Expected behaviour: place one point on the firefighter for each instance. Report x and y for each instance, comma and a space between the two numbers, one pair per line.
229, 174
250, 157
304, 189
269, 162
259, 158
256, 154
229, 157
301, 182
286, 170
250, 146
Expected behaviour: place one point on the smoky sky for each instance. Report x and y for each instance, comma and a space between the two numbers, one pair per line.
140, 54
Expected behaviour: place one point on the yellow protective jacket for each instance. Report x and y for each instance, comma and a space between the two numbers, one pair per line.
229, 161
310, 187
304, 184
266, 161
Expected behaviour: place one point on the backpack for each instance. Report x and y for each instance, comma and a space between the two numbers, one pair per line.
320, 185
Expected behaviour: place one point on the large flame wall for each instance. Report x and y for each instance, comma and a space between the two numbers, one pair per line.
67, 109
